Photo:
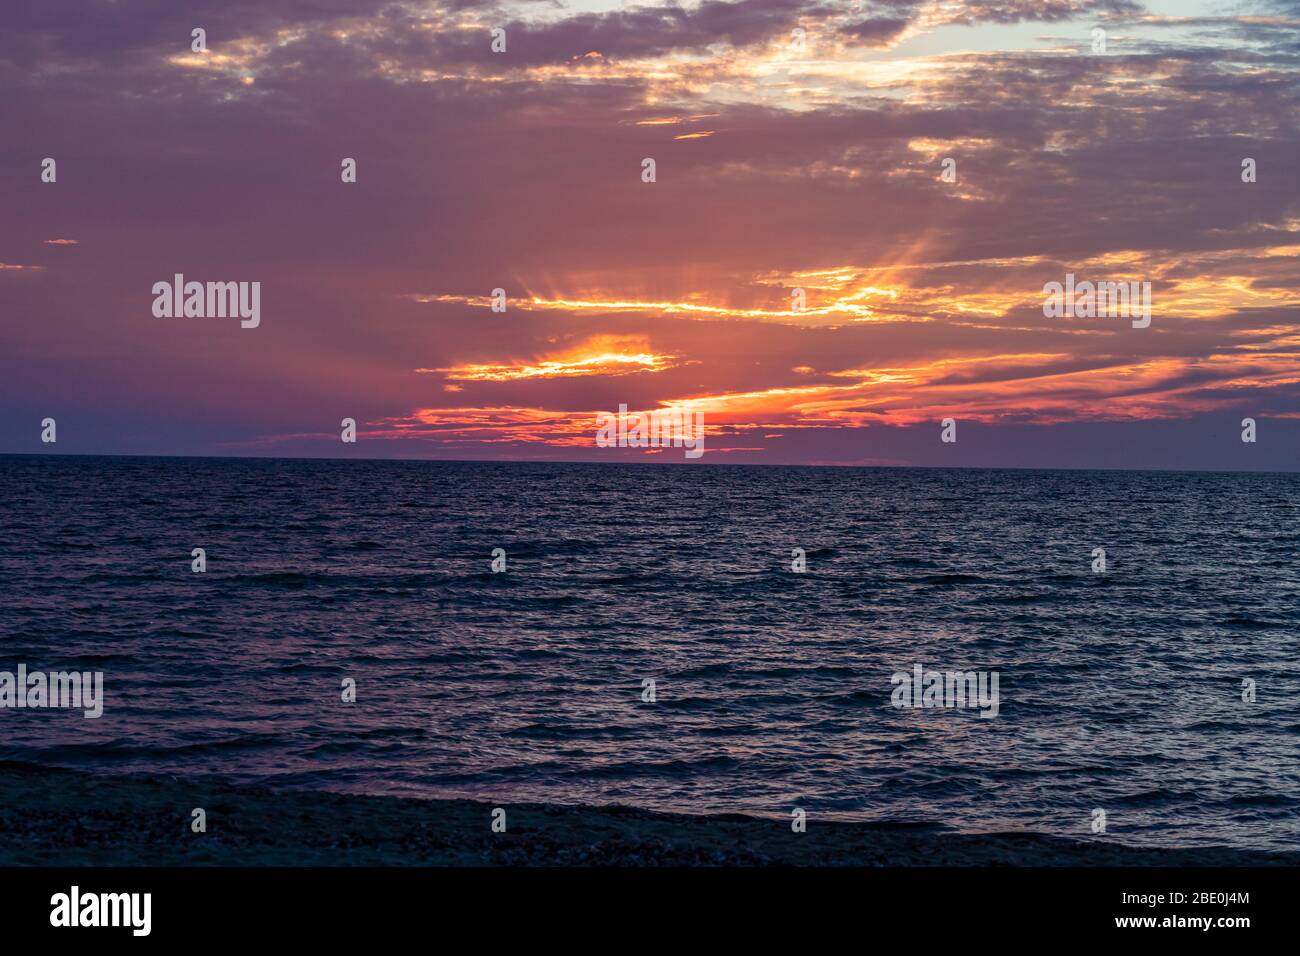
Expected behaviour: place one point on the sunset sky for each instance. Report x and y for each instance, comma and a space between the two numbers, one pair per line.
776, 168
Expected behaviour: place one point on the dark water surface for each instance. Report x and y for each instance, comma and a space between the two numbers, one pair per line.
1120, 691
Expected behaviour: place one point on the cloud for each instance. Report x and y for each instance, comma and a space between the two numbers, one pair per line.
522, 171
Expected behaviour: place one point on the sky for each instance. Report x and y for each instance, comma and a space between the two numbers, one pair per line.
797, 144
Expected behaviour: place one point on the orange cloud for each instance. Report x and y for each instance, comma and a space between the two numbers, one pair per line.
598, 355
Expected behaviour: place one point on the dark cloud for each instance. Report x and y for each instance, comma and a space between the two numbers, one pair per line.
876, 32
1018, 11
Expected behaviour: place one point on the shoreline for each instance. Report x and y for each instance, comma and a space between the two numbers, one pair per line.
61, 817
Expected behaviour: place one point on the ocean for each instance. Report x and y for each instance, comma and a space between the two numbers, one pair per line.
1163, 691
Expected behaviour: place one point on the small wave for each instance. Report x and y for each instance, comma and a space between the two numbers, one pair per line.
1240, 623
945, 579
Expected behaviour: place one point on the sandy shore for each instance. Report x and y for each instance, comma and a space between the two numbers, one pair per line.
69, 818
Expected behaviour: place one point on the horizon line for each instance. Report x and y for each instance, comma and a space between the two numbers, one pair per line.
672, 463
